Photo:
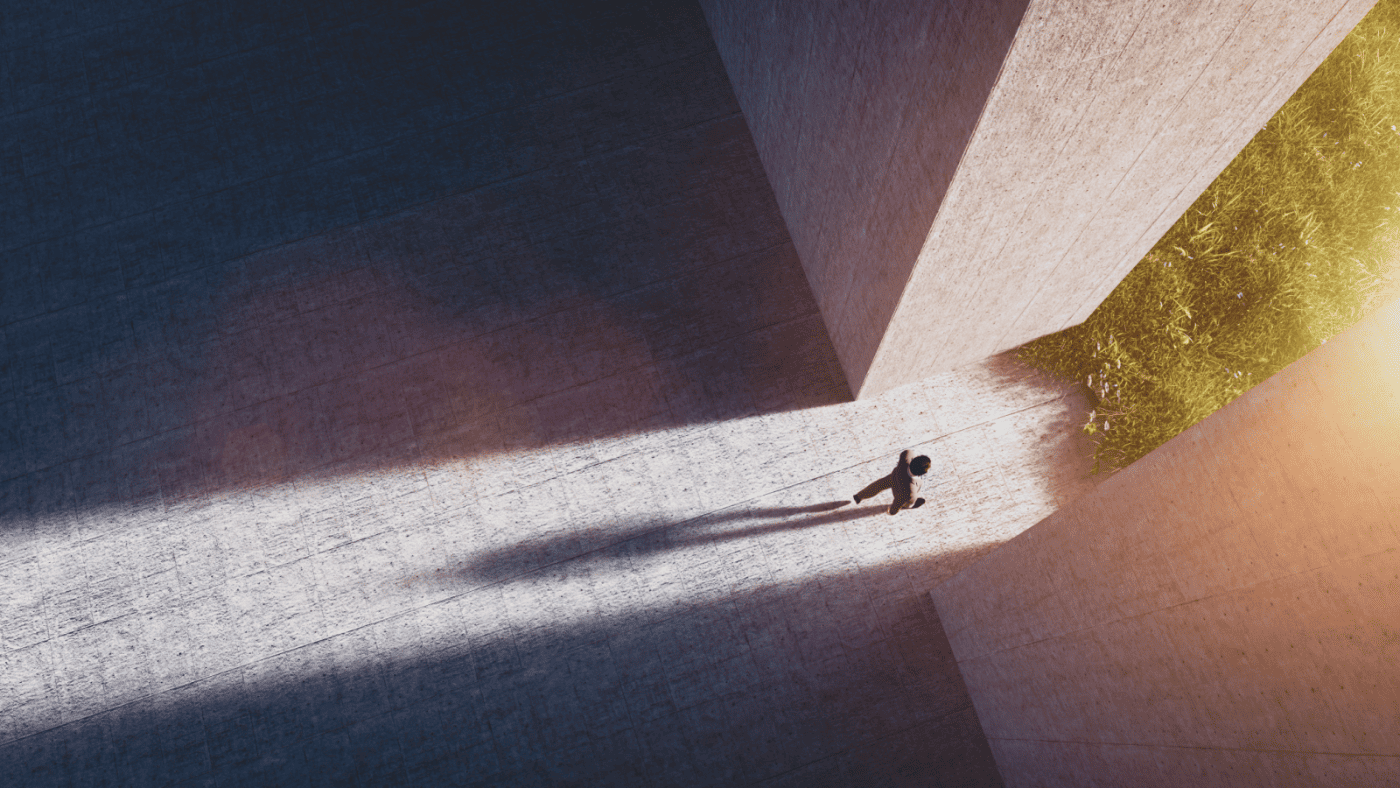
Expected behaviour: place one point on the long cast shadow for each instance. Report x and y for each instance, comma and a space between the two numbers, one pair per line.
338, 239
602, 543
834, 681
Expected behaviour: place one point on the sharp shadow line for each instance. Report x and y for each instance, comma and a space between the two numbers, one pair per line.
601, 543
571, 257
690, 695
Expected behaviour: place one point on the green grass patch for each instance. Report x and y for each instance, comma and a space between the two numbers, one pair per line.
1289, 246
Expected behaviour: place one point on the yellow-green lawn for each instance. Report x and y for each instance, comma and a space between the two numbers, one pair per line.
1289, 246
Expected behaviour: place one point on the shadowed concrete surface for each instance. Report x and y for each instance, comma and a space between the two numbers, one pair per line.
1221, 613
397, 394
960, 178
609, 231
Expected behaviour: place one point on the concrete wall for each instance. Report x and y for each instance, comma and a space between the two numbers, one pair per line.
860, 112
1225, 611
959, 178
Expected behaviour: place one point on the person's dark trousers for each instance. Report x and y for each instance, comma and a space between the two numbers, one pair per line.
875, 488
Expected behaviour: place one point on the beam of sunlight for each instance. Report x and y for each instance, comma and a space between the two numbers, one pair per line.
105, 606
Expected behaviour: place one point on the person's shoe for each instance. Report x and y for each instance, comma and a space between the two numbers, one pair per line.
918, 503
856, 498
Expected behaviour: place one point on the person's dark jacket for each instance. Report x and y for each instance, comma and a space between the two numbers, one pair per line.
905, 484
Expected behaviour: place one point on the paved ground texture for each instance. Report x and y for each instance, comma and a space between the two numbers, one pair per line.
394, 394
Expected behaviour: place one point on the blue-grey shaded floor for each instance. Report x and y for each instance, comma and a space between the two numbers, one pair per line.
414, 394
595, 170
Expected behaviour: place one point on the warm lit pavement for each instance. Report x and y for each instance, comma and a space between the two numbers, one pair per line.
417, 398
684, 607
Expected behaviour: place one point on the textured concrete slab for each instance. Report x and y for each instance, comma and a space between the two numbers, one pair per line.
734, 620
443, 403
1219, 613
961, 178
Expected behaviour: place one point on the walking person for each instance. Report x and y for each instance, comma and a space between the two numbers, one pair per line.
904, 482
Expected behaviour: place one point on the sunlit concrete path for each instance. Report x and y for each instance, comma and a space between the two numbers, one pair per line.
445, 404
687, 607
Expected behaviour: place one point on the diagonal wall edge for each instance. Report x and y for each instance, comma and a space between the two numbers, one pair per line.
1221, 612
960, 178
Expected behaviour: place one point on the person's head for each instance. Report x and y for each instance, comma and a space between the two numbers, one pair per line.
919, 465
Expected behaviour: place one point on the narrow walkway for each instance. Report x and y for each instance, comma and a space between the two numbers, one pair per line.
449, 408
685, 607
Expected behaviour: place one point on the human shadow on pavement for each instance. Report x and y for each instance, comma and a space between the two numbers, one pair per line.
603, 543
